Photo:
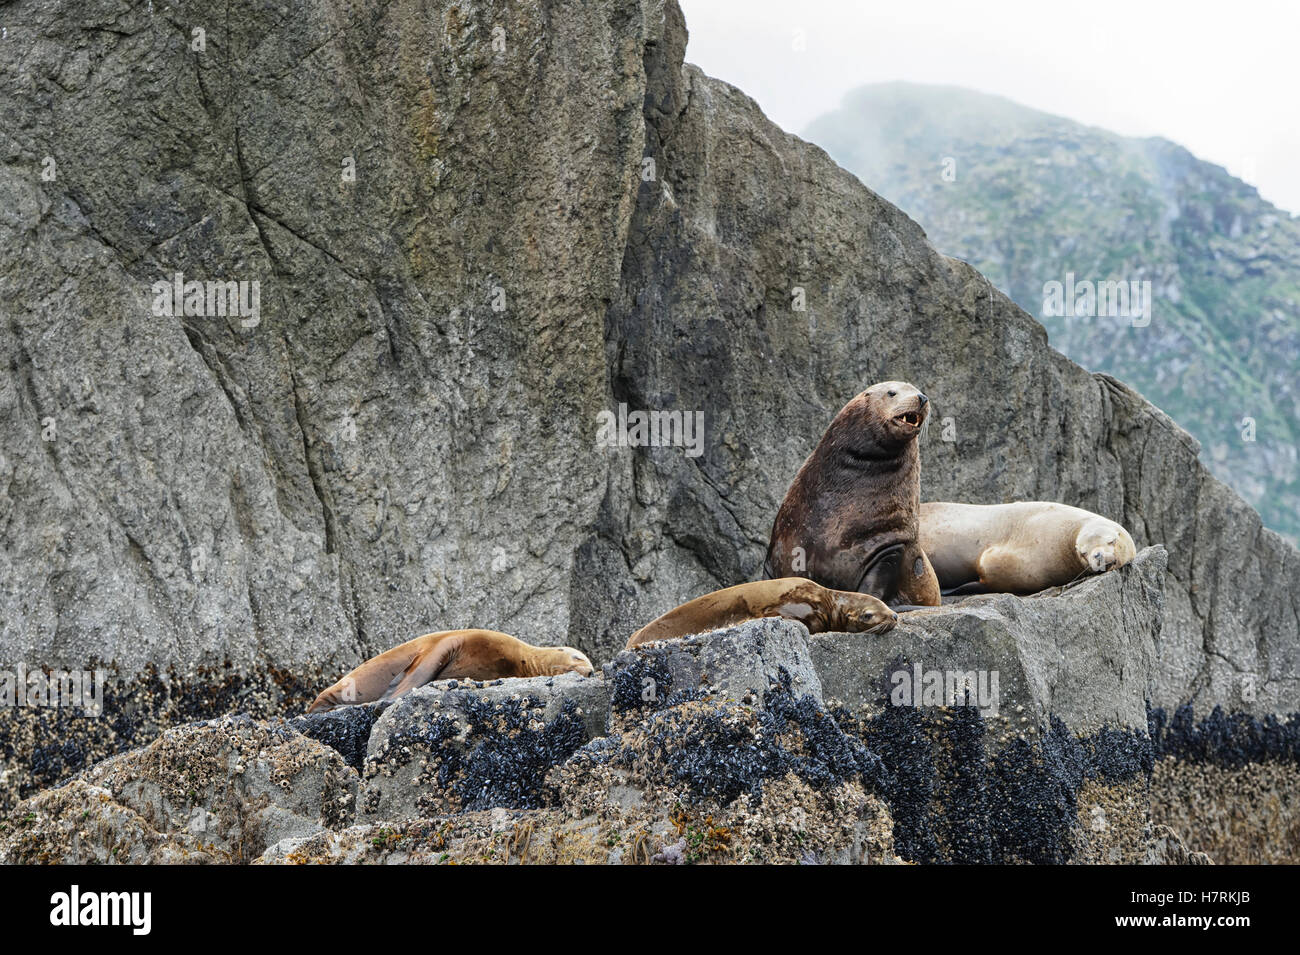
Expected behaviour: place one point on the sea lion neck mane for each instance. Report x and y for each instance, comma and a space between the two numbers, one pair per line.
852, 508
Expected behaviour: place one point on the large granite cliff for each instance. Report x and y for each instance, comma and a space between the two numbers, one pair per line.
474, 227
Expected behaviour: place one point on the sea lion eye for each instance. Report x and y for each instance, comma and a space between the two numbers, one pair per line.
893, 394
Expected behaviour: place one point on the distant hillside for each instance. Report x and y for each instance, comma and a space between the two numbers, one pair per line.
1027, 198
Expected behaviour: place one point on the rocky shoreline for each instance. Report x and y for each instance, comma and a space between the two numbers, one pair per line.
757, 743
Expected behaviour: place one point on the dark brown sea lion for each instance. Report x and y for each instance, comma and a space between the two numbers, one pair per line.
795, 598
449, 655
849, 519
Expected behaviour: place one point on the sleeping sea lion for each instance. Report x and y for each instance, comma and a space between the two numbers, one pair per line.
1019, 548
449, 655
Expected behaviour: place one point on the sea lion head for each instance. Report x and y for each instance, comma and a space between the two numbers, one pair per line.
557, 660
885, 417
1103, 545
863, 613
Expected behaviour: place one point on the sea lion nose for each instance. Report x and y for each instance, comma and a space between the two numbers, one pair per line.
923, 399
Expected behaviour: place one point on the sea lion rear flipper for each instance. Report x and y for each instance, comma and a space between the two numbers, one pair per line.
970, 587
422, 670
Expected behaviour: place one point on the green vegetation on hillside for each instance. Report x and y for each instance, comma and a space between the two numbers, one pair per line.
1027, 198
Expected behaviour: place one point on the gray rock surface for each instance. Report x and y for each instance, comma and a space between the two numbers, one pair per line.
456, 746
219, 791
406, 438
1167, 848
547, 770
1086, 655
735, 661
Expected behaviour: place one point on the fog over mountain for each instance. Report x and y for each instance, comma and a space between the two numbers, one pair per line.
1042, 205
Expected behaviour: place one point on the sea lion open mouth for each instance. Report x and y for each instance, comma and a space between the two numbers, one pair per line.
848, 519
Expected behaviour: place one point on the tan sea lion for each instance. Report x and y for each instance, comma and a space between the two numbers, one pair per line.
818, 608
449, 655
1019, 548
849, 519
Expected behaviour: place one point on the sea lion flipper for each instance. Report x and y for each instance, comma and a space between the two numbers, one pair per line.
424, 668
370, 680
378, 678
791, 598
880, 578
970, 587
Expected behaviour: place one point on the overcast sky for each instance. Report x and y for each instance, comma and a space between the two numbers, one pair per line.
1222, 79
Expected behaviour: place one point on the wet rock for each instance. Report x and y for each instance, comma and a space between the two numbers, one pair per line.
44, 746
734, 662
790, 823
218, 791
714, 749
1166, 848
1229, 784
438, 749
346, 730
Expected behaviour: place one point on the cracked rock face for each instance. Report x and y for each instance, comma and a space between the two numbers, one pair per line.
462, 257
384, 448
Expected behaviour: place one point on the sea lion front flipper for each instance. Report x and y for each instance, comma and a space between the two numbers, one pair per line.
880, 577
423, 669
382, 676
970, 587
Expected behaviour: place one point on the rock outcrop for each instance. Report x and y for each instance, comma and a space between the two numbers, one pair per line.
757, 743
474, 228
451, 748
1085, 655
221, 791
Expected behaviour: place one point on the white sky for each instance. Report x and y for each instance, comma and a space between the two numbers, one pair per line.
1222, 79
